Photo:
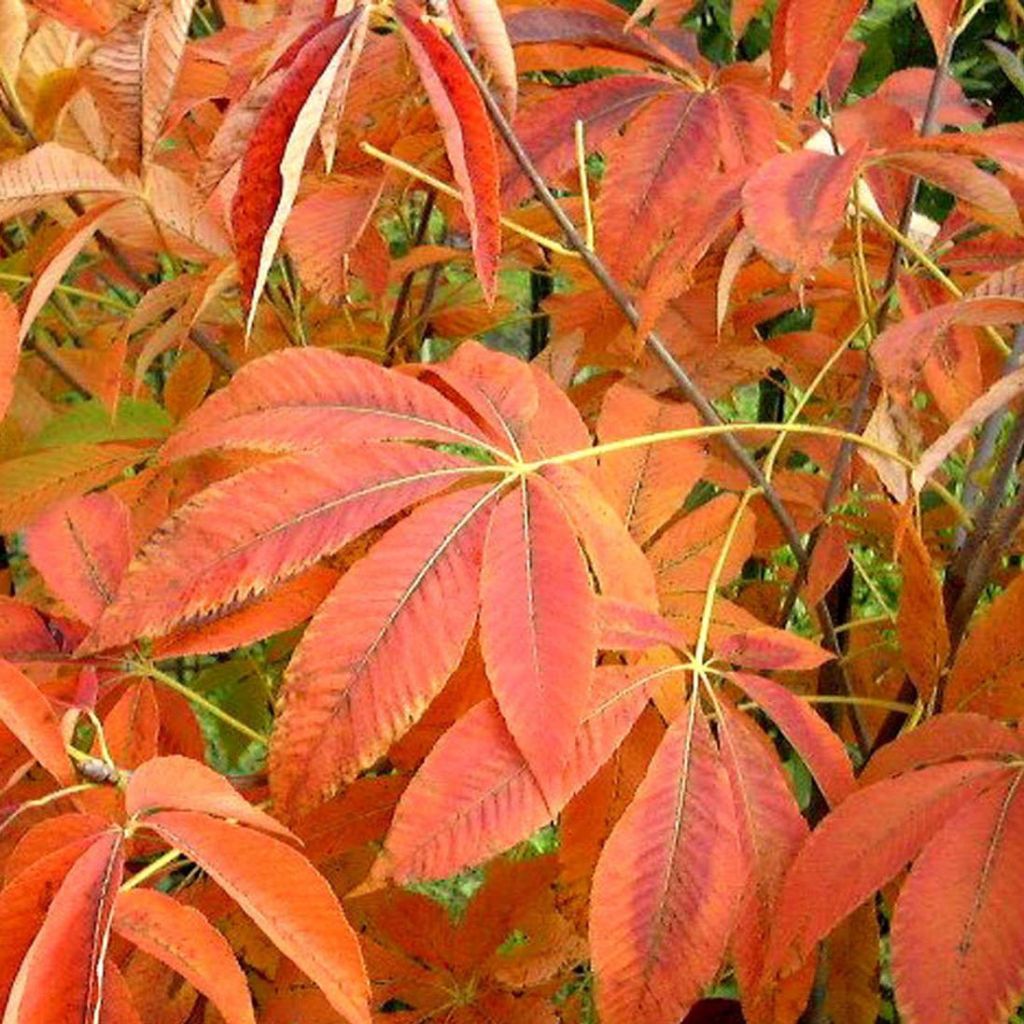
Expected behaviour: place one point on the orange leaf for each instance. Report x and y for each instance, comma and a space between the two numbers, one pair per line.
921, 622
667, 882
60, 979
793, 205
185, 940
27, 713
770, 648
956, 952
379, 650
181, 784
468, 138
861, 846
819, 747
236, 538
10, 348
474, 795
647, 485
282, 892
814, 33
538, 626
81, 548
300, 398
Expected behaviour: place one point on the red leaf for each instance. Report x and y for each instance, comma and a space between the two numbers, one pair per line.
238, 537
488, 29
60, 979
956, 952
794, 204
819, 747
181, 784
474, 795
468, 138
815, 31
185, 940
301, 398
666, 885
770, 648
81, 548
538, 628
861, 846
273, 162
771, 831
281, 891
380, 648
27, 713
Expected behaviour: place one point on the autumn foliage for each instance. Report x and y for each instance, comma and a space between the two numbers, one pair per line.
509, 514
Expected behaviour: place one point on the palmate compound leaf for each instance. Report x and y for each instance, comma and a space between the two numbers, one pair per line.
538, 626
957, 939
667, 883
185, 940
238, 537
468, 138
379, 649
861, 846
273, 162
285, 896
300, 398
474, 796
60, 981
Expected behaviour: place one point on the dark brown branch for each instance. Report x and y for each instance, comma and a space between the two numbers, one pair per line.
405, 290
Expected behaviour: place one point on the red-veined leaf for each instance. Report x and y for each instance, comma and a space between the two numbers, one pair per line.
793, 205
956, 951
27, 713
861, 846
380, 648
647, 485
538, 626
468, 138
81, 548
666, 884
282, 892
301, 398
819, 747
274, 160
185, 940
237, 537
474, 796
60, 980
180, 784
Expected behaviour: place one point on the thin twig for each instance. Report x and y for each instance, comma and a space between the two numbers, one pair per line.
398, 315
